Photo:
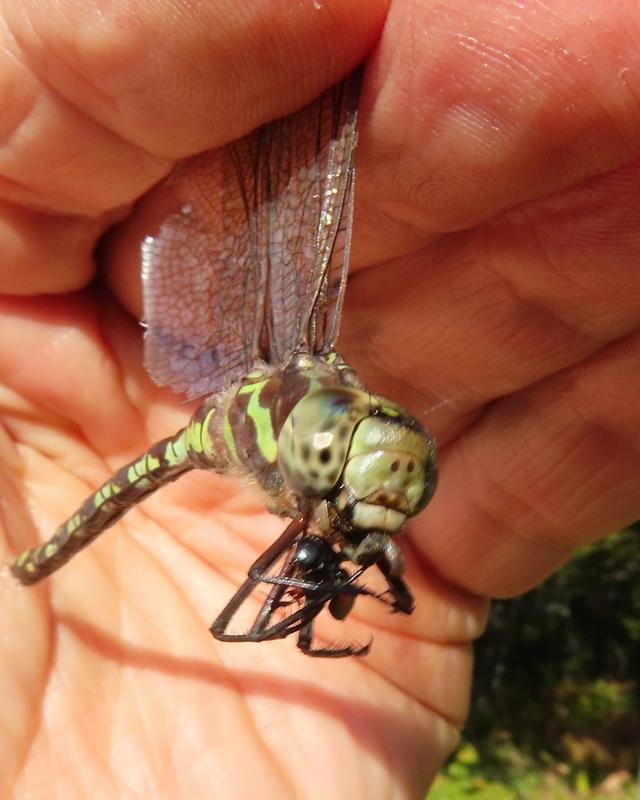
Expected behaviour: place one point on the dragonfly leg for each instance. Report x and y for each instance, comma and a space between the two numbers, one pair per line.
330, 586
339, 604
305, 643
262, 630
300, 621
401, 598
264, 562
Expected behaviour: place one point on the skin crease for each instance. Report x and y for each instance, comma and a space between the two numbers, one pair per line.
495, 291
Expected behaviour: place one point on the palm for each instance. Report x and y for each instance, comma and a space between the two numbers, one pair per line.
506, 322
118, 645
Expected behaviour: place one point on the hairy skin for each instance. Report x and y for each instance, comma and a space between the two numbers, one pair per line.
495, 289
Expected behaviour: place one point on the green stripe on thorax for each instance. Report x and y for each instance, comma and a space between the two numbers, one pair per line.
261, 417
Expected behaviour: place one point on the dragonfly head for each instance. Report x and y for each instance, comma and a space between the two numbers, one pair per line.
373, 463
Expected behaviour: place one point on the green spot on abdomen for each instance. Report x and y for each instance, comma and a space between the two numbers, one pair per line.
74, 523
196, 439
176, 450
50, 549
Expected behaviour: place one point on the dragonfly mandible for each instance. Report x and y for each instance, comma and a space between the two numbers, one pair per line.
243, 288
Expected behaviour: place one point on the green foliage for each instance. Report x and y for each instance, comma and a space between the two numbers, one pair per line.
523, 778
556, 708
564, 659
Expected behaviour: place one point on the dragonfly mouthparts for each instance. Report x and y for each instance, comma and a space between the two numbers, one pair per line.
375, 516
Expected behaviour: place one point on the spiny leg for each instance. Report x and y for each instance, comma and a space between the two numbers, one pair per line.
402, 601
274, 599
264, 562
261, 630
402, 598
305, 643
340, 606
337, 590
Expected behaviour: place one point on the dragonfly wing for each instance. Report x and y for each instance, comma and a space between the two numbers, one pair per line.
327, 310
202, 275
311, 168
252, 262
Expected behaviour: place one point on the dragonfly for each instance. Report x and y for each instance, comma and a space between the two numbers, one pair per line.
243, 287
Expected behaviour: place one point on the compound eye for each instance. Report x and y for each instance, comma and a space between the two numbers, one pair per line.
310, 552
313, 444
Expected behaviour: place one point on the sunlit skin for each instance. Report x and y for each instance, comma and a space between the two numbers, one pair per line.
495, 280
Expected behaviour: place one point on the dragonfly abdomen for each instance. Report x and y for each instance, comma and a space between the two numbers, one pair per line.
165, 461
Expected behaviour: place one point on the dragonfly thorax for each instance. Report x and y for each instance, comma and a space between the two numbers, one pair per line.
372, 462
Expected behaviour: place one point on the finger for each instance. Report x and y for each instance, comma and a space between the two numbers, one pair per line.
55, 159
54, 156
539, 474
66, 361
455, 127
105, 99
472, 108
44, 253
486, 313
175, 78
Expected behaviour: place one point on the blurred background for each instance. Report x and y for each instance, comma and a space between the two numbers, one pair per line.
556, 706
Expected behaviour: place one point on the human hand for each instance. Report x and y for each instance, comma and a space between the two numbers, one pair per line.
471, 285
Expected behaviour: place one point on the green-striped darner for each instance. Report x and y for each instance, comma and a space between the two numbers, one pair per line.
243, 290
